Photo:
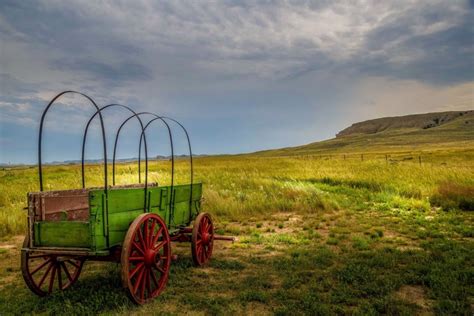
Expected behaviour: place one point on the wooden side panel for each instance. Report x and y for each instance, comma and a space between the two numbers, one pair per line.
125, 200
126, 205
97, 220
62, 234
159, 202
182, 213
67, 205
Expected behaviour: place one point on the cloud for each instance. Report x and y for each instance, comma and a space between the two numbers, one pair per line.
236, 65
376, 97
121, 72
269, 41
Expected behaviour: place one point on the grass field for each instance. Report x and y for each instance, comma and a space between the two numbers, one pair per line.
316, 235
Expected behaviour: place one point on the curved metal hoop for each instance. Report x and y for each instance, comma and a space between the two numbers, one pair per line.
190, 164
115, 145
142, 136
40, 165
190, 161
190, 150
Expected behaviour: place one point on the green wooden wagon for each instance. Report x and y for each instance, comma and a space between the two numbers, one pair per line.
131, 224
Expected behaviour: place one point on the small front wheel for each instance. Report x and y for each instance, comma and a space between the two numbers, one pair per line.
146, 258
202, 239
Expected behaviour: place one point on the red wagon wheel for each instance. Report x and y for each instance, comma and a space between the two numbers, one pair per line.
202, 239
146, 257
46, 273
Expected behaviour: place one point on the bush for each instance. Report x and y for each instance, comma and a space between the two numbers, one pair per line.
454, 196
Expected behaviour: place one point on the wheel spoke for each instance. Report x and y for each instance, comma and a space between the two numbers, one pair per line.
153, 276
73, 263
60, 279
203, 226
51, 281
45, 274
150, 238
160, 245
155, 238
40, 266
148, 283
138, 281
140, 237
143, 284
137, 247
136, 258
137, 268
160, 269
145, 234
66, 271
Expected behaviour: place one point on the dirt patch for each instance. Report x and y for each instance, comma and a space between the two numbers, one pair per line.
13, 243
416, 295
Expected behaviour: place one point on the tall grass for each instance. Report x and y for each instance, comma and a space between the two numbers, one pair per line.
239, 187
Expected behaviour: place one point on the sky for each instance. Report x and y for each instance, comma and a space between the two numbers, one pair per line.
241, 76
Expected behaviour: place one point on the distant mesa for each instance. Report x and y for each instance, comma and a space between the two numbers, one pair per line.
416, 121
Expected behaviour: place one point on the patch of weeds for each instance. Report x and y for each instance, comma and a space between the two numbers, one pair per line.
228, 264
452, 196
254, 296
360, 243
332, 241
214, 305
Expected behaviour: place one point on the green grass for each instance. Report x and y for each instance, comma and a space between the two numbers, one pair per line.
315, 236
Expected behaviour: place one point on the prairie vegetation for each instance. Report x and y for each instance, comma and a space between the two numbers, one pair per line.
316, 235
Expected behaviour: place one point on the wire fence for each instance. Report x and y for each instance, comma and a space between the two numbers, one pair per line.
421, 159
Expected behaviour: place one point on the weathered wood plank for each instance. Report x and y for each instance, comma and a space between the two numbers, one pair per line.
62, 234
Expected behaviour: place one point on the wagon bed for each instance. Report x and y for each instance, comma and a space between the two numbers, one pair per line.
78, 220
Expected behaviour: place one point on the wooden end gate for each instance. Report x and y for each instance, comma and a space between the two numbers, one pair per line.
131, 224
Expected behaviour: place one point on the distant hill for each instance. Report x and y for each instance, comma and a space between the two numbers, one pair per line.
418, 121
420, 132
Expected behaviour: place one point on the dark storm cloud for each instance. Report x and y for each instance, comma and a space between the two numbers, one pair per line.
234, 65
269, 40
441, 57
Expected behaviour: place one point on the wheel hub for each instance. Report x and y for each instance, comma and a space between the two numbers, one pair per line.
206, 238
150, 257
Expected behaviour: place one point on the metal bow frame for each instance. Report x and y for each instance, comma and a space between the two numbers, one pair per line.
40, 164
142, 139
84, 138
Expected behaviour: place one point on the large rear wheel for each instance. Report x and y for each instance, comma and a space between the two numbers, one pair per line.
46, 273
146, 258
202, 239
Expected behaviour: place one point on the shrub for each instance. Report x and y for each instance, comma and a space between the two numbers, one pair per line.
451, 196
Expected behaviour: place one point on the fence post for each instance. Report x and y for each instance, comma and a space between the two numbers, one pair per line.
419, 159
362, 157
